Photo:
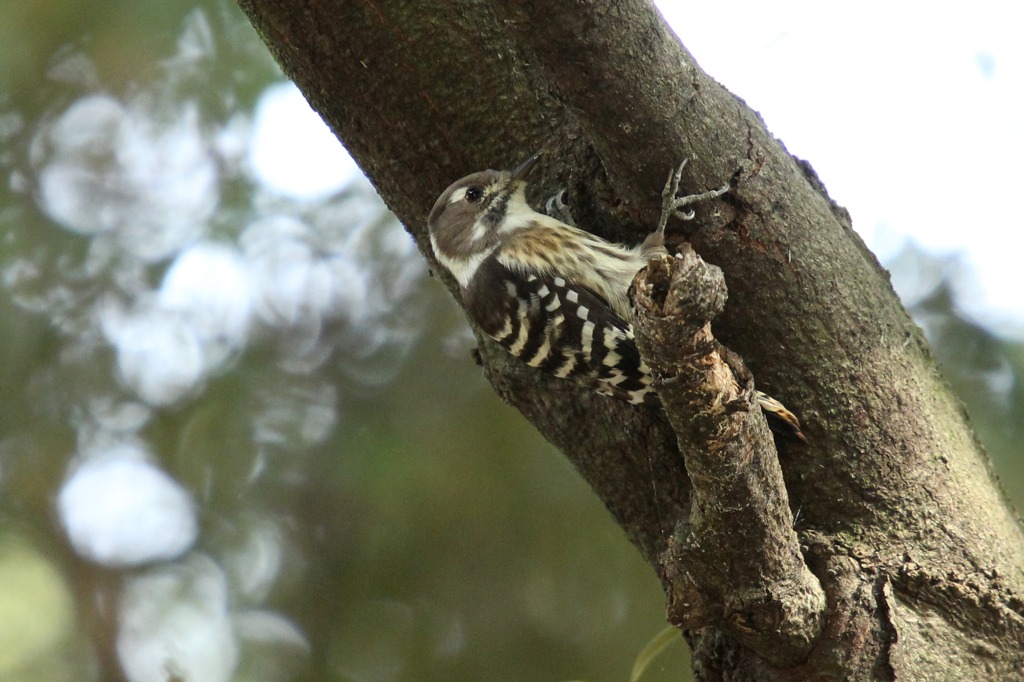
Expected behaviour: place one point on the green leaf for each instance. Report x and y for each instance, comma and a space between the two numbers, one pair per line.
652, 650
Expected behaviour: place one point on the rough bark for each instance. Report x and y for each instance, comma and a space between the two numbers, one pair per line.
900, 517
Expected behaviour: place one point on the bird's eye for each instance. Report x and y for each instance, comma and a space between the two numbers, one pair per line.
473, 194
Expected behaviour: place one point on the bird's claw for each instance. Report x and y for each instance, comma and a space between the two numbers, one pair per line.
557, 206
672, 203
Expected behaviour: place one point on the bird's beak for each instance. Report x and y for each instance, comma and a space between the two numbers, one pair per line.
523, 170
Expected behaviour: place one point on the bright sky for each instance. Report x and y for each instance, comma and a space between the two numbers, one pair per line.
911, 113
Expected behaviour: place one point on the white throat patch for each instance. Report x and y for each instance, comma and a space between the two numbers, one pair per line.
462, 269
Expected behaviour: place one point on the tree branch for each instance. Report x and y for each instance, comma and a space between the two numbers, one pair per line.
736, 563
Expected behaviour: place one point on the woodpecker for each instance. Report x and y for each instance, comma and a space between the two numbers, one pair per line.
551, 294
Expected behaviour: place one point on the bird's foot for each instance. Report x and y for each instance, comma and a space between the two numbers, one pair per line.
557, 206
672, 204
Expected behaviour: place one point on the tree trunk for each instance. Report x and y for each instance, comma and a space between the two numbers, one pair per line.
901, 521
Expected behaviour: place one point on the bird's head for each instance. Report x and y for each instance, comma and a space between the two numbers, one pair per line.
469, 217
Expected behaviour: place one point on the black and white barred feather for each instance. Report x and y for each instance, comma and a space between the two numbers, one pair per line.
560, 328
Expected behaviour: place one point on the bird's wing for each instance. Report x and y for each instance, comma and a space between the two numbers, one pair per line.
561, 328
